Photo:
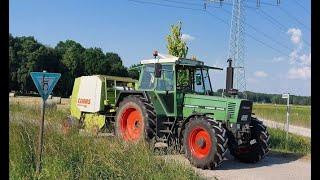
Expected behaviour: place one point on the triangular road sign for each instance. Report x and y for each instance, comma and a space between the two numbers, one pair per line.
45, 82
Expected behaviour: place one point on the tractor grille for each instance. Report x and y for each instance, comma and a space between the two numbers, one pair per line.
231, 109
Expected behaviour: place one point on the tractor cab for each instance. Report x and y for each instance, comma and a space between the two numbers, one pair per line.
168, 78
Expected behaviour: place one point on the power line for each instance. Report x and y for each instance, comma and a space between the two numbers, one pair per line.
281, 27
302, 7
263, 33
180, 2
165, 5
249, 35
294, 18
211, 14
264, 3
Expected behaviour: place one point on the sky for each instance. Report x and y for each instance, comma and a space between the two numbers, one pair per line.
277, 49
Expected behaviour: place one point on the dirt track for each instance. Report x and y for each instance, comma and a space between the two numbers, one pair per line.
293, 129
274, 167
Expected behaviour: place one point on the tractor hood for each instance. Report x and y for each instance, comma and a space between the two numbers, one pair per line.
233, 110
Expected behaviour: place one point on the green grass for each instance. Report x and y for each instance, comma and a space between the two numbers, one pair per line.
81, 157
296, 144
299, 115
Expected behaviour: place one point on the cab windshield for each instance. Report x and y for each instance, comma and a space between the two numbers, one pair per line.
194, 80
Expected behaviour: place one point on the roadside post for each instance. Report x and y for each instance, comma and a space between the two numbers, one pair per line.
287, 96
44, 83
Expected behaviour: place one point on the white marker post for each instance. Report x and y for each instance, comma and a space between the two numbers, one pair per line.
287, 96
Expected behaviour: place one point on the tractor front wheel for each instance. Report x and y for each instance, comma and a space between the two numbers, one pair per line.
257, 151
205, 142
135, 119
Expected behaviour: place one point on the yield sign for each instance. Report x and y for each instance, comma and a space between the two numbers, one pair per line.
45, 82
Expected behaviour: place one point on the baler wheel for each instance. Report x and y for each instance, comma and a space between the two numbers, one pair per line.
135, 119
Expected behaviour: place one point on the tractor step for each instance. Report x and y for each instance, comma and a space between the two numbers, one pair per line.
167, 123
160, 145
162, 139
165, 131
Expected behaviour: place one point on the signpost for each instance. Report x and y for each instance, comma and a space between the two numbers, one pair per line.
287, 96
44, 83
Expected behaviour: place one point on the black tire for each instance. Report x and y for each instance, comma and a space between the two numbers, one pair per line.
218, 140
148, 116
258, 150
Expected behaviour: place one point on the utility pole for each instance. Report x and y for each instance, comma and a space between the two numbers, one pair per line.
237, 41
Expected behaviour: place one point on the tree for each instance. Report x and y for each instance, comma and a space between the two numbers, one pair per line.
95, 62
117, 68
176, 46
134, 71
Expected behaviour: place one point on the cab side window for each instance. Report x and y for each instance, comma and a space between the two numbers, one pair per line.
147, 77
165, 83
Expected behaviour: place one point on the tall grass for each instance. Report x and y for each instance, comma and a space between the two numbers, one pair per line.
296, 144
299, 115
80, 157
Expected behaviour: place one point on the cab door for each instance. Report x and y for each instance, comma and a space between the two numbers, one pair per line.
165, 89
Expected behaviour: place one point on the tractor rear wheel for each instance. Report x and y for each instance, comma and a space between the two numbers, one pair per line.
257, 151
135, 119
205, 142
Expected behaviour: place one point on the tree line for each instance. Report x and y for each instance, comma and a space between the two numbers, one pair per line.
72, 60
271, 98
68, 57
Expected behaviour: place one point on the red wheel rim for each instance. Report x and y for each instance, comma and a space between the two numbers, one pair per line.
199, 142
131, 124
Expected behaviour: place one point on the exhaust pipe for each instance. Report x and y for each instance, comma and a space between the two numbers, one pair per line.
229, 79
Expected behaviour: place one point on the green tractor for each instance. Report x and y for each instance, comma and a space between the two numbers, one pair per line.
172, 105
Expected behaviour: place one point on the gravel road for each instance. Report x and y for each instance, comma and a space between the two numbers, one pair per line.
273, 166
293, 129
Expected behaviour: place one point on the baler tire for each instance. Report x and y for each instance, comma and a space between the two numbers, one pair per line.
260, 149
148, 115
217, 140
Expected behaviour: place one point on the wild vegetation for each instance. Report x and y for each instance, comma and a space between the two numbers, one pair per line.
80, 157
296, 144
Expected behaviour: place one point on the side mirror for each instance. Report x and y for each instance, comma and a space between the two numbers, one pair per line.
198, 79
157, 72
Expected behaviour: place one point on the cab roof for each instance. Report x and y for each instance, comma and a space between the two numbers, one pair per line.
179, 61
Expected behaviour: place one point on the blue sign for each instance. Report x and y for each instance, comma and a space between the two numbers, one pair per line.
45, 82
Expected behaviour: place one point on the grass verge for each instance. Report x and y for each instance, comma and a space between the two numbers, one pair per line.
296, 144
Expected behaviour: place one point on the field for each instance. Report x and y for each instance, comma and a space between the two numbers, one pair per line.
84, 157
299, 115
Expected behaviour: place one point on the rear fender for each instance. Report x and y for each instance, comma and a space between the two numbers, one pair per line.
123, 94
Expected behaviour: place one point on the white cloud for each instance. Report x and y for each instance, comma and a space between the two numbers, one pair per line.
278, 59
305, 59
261, 74
295, 34
252, 80
187, 37
299, 73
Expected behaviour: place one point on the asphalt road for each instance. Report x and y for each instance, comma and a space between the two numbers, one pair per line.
273, 166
